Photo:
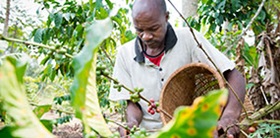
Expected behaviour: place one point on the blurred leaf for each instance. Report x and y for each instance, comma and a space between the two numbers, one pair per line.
41, 110
250, 55
221, 5
6, 132
38, 35
12, 94
110, 4
58, 20
235, 4
50, 19
48, 124
198, 120
83, 90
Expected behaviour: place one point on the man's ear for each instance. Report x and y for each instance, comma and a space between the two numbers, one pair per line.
167, 15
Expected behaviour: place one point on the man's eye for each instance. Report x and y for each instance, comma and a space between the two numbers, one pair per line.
154, 28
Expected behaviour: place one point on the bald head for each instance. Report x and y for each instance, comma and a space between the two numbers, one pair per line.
150, 20
148, 6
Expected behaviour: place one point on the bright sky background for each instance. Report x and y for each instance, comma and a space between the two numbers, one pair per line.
32, 7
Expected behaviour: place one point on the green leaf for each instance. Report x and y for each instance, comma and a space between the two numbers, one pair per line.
67, 16
20, 66
198, 120
221, 5
83, 90
50, 19
48, 124
12, 93
41, 110
251, 55
110, 4
5, 132
98, 4
235, 4
38, 35
58, 20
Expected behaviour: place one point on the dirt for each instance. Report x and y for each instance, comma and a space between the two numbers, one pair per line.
74, 128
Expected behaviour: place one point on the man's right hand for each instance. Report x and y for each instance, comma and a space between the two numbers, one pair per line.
124, 133
134, 117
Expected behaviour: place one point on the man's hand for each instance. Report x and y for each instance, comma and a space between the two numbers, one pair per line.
226, 126
233, 108
134, 117
123, 132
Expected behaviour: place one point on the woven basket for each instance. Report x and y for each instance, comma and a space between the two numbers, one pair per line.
187, 83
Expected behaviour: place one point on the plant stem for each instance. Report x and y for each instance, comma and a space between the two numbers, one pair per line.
35, 44
260, 113
117, 123
267, 121
106, 54
200, 46
131, 91
244, 133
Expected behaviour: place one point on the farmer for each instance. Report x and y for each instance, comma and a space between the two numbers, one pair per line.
159, 50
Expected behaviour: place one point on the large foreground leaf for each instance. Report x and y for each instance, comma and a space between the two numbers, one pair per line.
83, 91
24, 123
198, 120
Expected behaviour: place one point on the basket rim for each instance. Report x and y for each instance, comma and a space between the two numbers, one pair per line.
215, 73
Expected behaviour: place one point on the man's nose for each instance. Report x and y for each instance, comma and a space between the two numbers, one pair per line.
147, 36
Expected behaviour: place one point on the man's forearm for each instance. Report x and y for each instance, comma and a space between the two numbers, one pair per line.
134, 114
237, 82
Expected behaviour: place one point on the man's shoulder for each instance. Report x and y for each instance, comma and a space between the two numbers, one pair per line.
127, 49
126, 46
185, 32
182, 31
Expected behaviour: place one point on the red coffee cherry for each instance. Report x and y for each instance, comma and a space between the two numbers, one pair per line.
251, 129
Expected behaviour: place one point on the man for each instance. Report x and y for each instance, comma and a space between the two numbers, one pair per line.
155, 54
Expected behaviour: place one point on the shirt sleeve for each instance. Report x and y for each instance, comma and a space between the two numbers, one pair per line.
221, 61
121, 74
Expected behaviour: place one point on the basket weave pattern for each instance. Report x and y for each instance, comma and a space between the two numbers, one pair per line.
187, 83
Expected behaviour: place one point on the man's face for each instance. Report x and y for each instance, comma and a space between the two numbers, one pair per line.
151, 27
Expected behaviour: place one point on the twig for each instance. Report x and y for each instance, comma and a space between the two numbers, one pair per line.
200, 46
106, 54
125, 87
117, 123
35, 44
266, 121
266, 101
167, 114
59, 110
248, 26
131, 91
244, 133
63, 111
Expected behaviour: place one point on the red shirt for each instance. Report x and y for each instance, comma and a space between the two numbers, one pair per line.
156, 60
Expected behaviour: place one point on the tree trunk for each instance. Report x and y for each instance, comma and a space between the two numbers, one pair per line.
6, 24
189, 8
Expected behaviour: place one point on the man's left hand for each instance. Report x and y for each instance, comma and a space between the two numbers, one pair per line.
227, 126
